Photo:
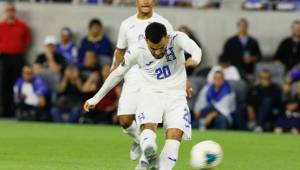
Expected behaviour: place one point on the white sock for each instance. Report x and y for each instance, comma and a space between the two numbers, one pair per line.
169, 154
133, 131
143, 158
148, 138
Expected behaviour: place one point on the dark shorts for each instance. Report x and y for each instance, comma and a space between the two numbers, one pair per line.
288, 123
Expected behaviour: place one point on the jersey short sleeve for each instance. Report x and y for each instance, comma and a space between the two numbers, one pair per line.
169, 27
130, 57
122, 39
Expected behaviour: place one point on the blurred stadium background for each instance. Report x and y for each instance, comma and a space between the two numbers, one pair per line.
63, 48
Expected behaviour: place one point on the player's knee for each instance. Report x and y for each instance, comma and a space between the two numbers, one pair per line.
126, 121
151, 126
175, 134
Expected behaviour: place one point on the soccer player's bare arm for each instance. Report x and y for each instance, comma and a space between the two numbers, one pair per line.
122, 45
113, 79
118, 58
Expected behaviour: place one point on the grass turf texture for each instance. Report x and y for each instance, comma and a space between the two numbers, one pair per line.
36, 146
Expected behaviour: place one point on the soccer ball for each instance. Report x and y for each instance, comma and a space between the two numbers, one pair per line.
206, 155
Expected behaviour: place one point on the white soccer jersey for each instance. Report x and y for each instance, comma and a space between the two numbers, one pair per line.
132, 31
165, 75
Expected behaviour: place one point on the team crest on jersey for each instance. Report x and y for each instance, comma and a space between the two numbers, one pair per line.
170, 55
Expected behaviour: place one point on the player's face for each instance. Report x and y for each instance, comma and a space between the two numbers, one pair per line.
158, 50
145, 6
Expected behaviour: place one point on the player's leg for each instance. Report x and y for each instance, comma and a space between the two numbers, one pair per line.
129, 125
148, 144
143, 163
169, 154
149, 114
177, 122
126, 114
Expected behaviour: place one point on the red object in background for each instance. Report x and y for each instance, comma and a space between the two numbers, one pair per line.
14, 37
109, 100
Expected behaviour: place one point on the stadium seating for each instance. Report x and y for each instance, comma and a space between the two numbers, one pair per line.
52, 81
197, 84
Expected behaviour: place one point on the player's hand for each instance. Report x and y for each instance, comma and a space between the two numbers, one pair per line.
88, 106
189, 90
191, 63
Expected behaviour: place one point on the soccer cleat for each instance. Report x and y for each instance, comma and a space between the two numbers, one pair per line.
142, 165
151, 156
135, 151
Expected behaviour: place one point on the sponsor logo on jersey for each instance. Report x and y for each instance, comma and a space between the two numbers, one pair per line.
172, 159
150, 62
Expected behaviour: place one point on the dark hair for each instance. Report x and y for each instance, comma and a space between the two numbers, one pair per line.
155, 31
224, 59
68, 30
95, 21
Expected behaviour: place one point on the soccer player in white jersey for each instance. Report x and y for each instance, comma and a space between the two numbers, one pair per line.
161, 60
132, 31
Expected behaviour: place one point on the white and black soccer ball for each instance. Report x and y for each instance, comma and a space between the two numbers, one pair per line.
206, 155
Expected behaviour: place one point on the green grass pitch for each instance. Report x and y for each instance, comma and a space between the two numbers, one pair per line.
36, 146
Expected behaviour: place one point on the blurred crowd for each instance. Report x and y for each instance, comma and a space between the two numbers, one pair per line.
245, 90
256, 5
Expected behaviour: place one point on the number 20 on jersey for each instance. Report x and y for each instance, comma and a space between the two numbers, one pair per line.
163, 72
